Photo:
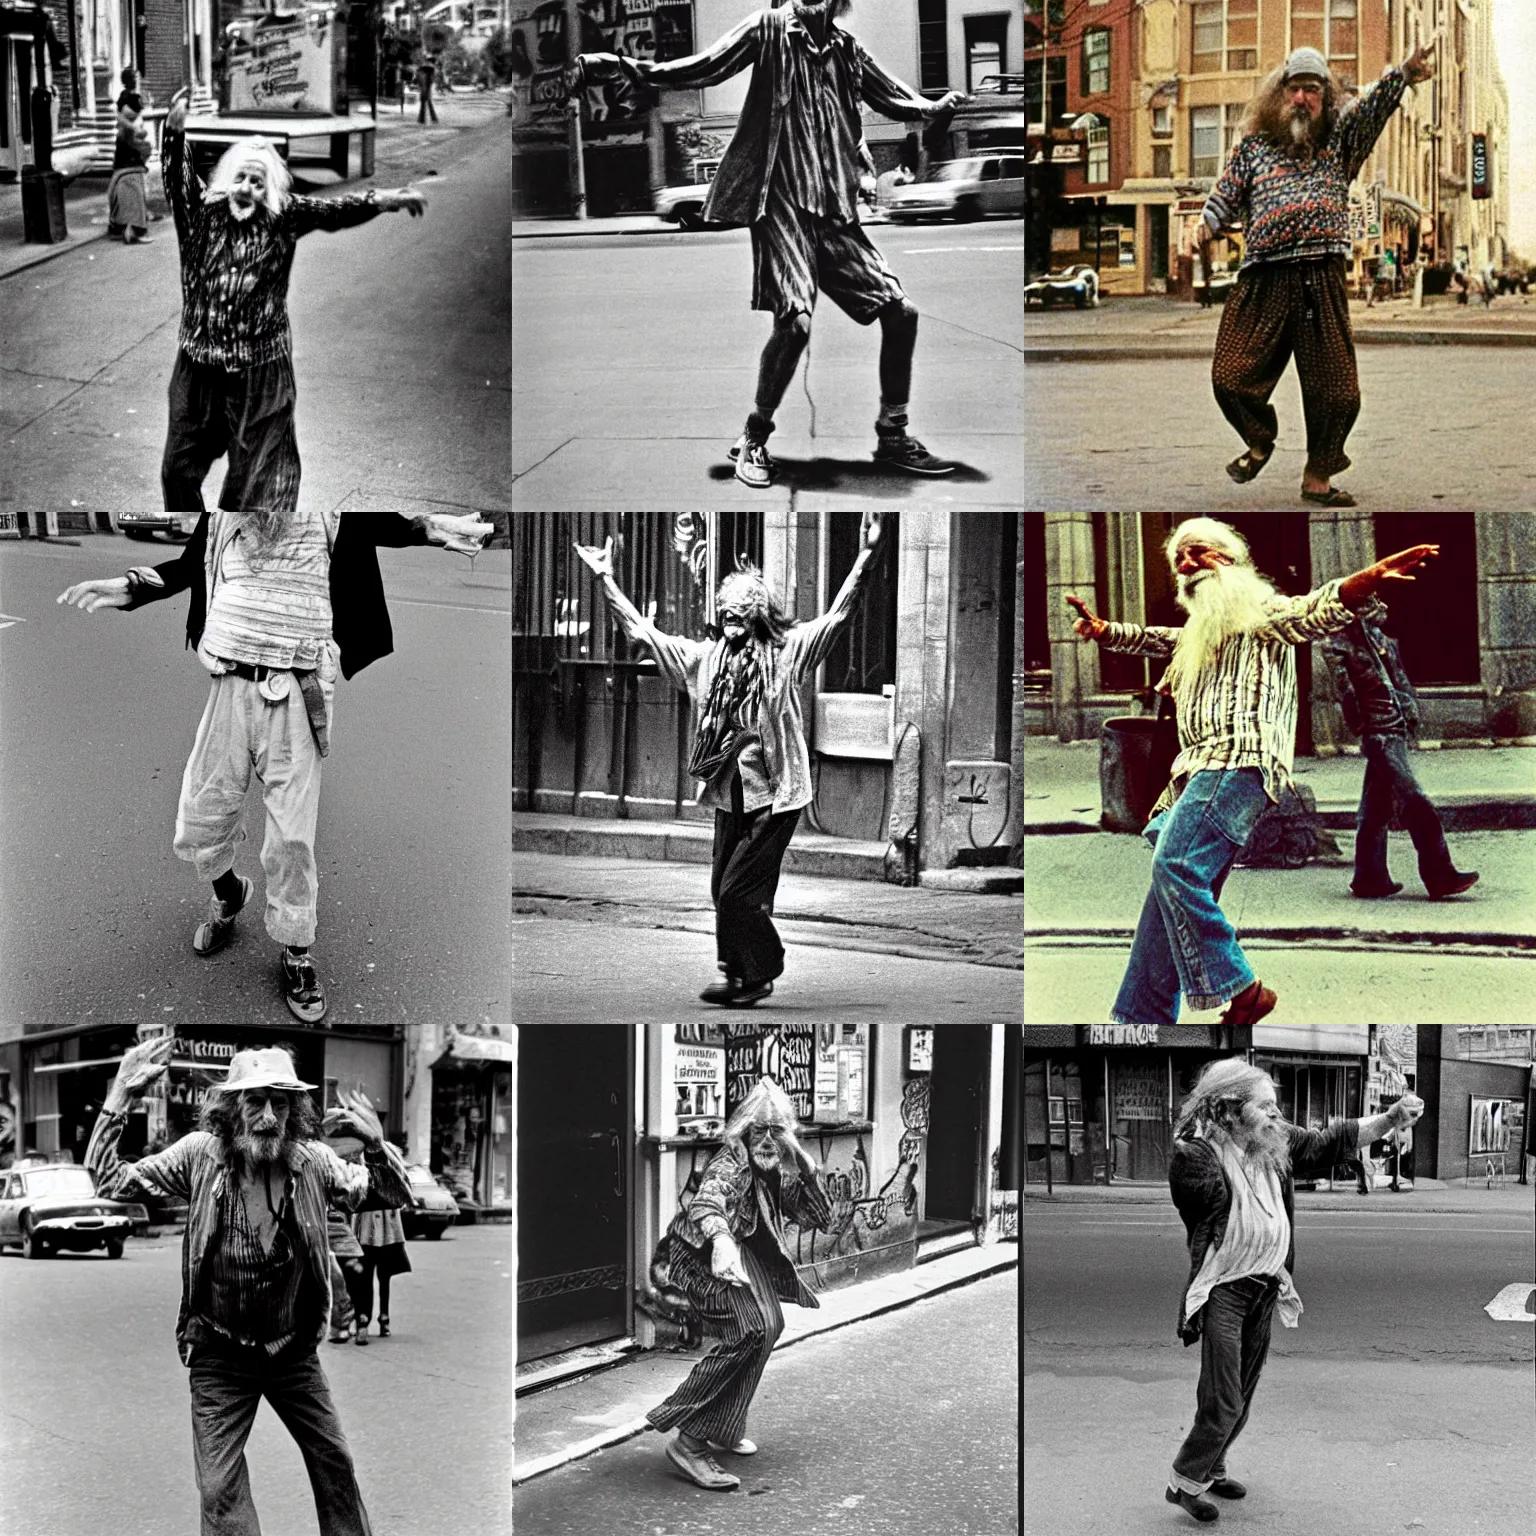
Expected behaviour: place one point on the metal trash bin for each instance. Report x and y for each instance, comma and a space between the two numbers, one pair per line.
42, 207
1132, 772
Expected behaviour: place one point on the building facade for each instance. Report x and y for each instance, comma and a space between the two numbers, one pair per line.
1476, 1087
912, 721
615, 1125
1468, 637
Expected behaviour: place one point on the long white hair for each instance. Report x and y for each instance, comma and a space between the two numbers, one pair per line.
1216, 1101
262, 152
767, 1104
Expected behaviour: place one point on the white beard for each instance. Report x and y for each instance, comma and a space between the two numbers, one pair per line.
1229, 600
1301, 128
241, 214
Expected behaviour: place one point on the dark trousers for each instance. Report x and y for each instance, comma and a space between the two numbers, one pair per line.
1279, 310
749, 848
226, 1392
426, 105
1234, 1346
1391, 790
247, 415
712, 1403
370, 1264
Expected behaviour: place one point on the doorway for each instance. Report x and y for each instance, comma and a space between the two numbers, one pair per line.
575, 1132
962, 1055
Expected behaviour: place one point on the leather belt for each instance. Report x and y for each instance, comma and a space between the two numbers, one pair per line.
251, 674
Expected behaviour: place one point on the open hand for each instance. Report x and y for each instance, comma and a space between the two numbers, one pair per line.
869, 530
1088, 627
354, 1116
725, 1262
598, 561
463, 535
950, 102
1396, 567
176, 118
1420, 64
142, 1066
111, 592
404, 200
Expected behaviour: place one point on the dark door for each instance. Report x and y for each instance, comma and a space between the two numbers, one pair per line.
573, 1116
1157, 240
961, 1054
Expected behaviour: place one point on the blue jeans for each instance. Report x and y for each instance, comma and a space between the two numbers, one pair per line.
1184, 943
1391, 788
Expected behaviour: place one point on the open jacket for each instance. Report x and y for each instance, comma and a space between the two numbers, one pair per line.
359, 614
195, 1170
732, 1200
1374, 691
1204, 1198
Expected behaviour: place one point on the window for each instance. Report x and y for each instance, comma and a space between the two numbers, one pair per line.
1231, 128
863, 659
1098, 153
1343, 38
1205, 157
1056, 85
1208, 36
933, 45
1162, 161
1242, 34
1095, 62
986, 51
1162, 122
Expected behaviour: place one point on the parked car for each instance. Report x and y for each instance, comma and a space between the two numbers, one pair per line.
432, 1209
145, 525
684, 206
46, 1206
963, 189
1077, 285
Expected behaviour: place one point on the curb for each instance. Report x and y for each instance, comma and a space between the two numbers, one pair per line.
1334, 938
1119, 352
1008, 1258
49, 253
1306, 1200
1514, 811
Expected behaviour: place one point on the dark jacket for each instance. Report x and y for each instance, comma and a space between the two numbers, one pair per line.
1204, 1198
359, 614
1377, 698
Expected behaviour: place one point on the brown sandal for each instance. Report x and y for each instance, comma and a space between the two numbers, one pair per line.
1250, 1005
1246, 466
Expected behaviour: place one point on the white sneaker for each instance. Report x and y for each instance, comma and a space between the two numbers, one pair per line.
743, 1447
753, 466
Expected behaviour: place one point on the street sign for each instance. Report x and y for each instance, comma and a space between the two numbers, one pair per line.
1479, 165
1513, 1304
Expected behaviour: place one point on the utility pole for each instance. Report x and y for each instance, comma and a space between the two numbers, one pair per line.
576, 165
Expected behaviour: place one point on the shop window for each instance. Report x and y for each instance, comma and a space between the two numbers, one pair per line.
1434, 617
986, 51
933, 44
863, 659
1205, 149
1095, 56
1053, 74
1098, 153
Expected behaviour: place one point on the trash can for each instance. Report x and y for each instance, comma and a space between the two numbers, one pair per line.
42, 207
1133, 772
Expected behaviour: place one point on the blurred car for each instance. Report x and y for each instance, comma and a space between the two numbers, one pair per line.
684, 205
47, 1206
1077, 285
963, 190
145, 525
432, 1209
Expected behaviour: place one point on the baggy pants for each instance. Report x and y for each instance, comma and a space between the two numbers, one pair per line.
1277, 310
244, 732
749, 848
1234, 1345
246, 415
1391, 788
712, 1403
226, 1392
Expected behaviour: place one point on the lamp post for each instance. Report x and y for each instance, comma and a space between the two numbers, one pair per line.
575, 82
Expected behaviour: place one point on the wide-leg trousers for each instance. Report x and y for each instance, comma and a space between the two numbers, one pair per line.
1279, 310
749, 848
712, 1403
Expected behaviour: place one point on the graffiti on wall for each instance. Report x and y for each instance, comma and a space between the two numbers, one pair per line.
785, 1052
1003, 1211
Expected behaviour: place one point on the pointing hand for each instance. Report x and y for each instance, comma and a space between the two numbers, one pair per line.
1087, 626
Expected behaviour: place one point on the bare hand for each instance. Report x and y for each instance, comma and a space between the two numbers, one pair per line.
950, 102
1407, 1109
869, 530
354, 1117
463, 535
404, 200
598, 561
1420, 64
1088, 627
111, 592
176, 118
1396, 567
141, 1067
725, 1262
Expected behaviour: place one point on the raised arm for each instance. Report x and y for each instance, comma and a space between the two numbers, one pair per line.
165, 1173
1398, 1118
183, 186
678, 658
802, 1188
808, 644
381, 1183
1133, 639
1355, 590
1311, 617
1362, 124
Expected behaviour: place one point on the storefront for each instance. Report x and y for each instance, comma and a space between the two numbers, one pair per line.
471, 1122
1476, 1091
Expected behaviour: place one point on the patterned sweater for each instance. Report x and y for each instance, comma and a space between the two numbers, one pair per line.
234, 275
1292, 209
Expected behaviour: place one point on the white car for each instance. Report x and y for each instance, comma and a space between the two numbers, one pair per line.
1077, 285
964, 189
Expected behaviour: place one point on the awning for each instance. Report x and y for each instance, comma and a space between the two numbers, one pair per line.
476, 1050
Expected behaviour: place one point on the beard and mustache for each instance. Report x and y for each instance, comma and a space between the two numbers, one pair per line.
261, 1149
1263, 1144
1226, 601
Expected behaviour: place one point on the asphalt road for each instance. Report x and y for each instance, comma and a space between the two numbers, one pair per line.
400, 350
1397, 1404
866, 1431
97, 715
647, 388
1432, 435
575, 972
94, 1429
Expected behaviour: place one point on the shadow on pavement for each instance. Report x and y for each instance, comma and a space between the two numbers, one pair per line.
853, 474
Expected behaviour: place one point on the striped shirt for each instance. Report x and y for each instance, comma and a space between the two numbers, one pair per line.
251, 1295
234, 273
1289, 208
812, 164
1241, 713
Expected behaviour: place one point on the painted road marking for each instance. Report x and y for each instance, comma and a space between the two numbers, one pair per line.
6, 621
942, 250
1512, 1304
1332, 1227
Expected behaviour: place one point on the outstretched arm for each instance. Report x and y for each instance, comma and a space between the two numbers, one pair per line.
463, 535
728, 56
1355, 590
306, 214
677, 657
1134, 639
183, 186
1363, 123
808, 644
895, 98
144, 583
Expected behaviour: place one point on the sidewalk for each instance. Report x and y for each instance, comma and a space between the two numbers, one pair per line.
1427, 1196
555, 1426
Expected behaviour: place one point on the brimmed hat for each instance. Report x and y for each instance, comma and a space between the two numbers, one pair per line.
271, 1067
1305, 61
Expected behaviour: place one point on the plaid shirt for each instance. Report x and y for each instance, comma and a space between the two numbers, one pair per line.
234, 274
1241, 712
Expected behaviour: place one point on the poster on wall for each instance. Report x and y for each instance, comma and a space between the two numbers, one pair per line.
785, 1052
1141, 1093
699, 1086
842, 1053
285, 62
1488, 1126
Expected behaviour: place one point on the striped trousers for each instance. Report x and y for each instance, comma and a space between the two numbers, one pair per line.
712, 1403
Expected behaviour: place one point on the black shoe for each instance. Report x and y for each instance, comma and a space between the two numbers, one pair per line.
1391, 888
735, 993
1228, 1488
1457, 883
383, 1327
301, 988
899, 451
213, 935
1202, 1509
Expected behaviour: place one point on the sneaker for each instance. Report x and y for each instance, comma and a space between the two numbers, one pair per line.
903, 452
753, 466
743, 1447
301, 988
700, 1467
213, 935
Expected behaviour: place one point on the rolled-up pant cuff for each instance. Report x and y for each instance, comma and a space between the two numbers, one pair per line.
1188, 1485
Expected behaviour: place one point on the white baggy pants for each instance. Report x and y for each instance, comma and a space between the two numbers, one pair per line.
244, 729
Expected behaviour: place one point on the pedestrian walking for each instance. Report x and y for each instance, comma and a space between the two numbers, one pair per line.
1232, 675
426, 72
255, 1266
749, 750
382, 1238
1382, 708
1287, 185
791, 173
347, 1255
280, 601
760, 1178
131, 96
341, 1300
128, 190
1232, 1177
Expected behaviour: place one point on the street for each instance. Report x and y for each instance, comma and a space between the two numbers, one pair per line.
646, 385
93, 1399
400, 351
1397, 1404
1434, 433
869, 1431
97, 715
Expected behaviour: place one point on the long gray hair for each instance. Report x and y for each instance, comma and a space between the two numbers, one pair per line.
1268, 112
1216, 1101
256, 150
767, 1104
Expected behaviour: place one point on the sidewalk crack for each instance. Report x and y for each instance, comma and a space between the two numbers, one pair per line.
547, 457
